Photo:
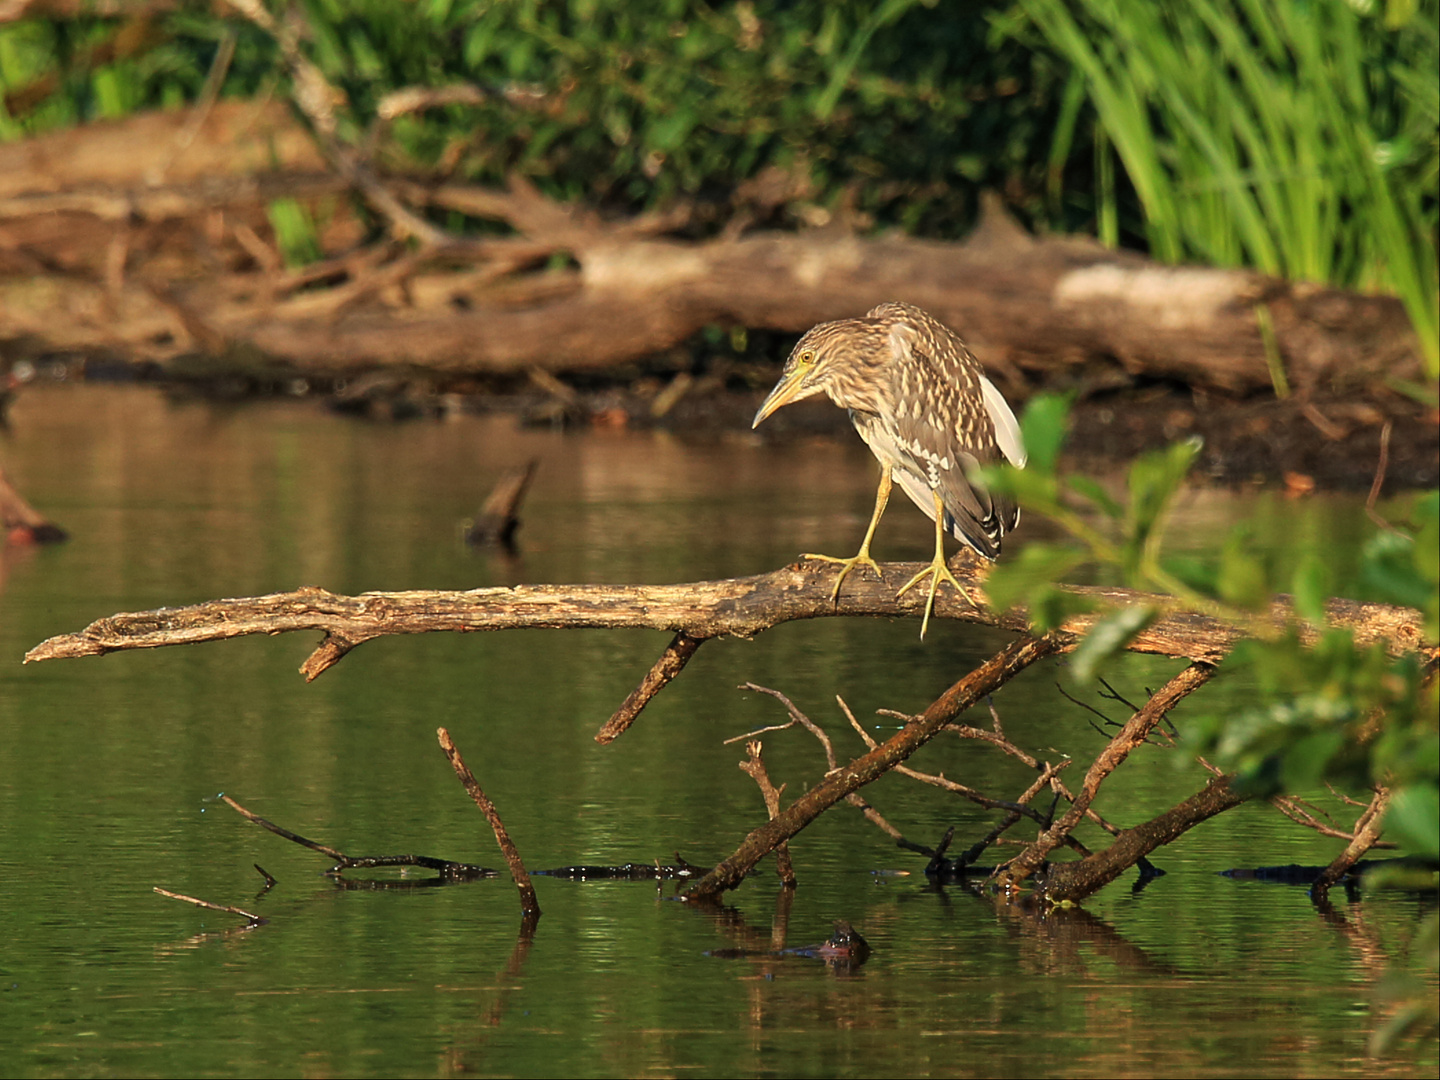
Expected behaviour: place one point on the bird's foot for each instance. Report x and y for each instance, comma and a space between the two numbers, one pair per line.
846, 565
937, 572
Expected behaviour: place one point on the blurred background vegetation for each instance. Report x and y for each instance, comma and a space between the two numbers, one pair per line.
1294, 136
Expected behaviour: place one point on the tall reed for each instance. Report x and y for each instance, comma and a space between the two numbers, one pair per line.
1294, 136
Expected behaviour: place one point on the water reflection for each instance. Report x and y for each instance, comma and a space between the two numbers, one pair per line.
106, 766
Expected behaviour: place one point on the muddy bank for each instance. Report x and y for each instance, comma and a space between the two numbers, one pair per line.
1300, 446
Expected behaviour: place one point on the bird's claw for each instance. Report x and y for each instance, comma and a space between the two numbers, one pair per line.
937, 572
846, 565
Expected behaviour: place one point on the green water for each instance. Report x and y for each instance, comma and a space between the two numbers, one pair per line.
110, 767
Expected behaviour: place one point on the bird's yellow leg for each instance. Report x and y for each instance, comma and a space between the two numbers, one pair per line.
862, 558
937, 571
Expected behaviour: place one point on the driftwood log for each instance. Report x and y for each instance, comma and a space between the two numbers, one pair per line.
148, 238
694, 612
732, 607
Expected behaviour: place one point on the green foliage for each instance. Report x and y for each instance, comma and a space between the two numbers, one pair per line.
1324, 708
901, 110
294, 232
1294, 136
1109, 636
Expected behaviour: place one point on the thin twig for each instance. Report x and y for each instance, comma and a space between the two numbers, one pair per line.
254, 920
209, 94
1304, 813
1114, 695
1379, 482
1088, 708
754, 767
529, 905
1012, 818
1367, 834
317, 98
855, 799
995, 717
974, 686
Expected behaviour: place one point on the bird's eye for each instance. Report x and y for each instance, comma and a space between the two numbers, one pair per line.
806, 357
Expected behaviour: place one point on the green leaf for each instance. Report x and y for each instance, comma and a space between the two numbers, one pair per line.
1306, 759
1427, 540
1043, 425
1390, 568
1242, 580
1109, 636
1033, 572
1413, 818
1196, 573
295, 232
1091, 489
1050, 608
1311, 587
1155, 479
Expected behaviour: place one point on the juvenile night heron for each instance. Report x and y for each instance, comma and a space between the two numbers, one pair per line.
926, 410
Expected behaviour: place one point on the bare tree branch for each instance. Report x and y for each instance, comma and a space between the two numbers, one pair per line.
529, 905
1366, 835
1133, 734
990, 675
739, 607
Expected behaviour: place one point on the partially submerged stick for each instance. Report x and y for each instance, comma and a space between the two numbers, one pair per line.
499, 514
23, 522
254, 920
529, 905
446, 868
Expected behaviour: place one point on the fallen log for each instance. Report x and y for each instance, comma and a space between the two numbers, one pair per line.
694, 612
148, 238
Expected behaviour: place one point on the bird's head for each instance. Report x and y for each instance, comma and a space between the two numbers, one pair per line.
825, 361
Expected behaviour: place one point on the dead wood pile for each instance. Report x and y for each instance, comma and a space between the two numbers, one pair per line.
148, 239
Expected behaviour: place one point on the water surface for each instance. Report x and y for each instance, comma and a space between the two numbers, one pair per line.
109, 768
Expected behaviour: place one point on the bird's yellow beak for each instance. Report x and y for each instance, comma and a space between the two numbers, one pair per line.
786, 391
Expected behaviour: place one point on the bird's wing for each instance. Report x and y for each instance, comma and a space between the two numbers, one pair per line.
944, 432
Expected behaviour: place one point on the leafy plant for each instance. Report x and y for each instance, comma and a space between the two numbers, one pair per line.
1325, 708
900, 111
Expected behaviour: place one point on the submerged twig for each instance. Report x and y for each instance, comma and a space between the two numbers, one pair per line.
253, 919
447, 869
529, 905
